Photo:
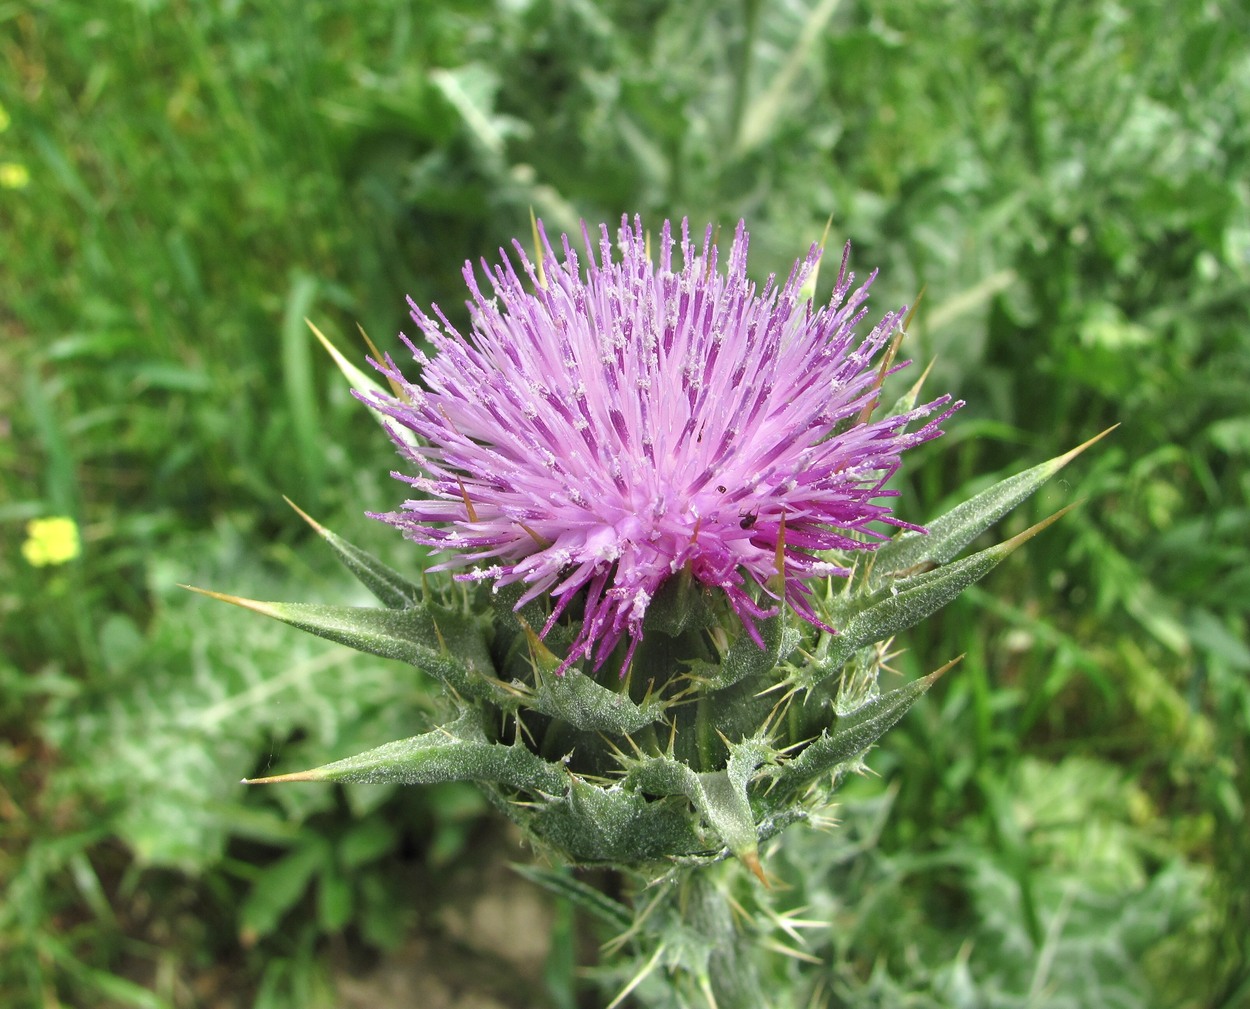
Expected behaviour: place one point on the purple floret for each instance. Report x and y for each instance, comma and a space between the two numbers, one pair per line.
596, 434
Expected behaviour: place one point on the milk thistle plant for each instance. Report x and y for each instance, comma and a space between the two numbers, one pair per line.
665, 572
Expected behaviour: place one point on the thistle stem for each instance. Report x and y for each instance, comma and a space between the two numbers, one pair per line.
731, 979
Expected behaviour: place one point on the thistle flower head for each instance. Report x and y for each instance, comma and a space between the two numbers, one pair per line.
599, 431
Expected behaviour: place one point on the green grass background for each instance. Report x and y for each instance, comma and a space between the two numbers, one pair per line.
1060, 823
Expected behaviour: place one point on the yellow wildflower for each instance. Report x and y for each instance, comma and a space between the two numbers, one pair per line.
51, 541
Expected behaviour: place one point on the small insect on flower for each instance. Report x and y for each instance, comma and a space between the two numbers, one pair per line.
602, 428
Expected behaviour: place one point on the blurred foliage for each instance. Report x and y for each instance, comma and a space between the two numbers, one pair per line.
181, 183
1058, 897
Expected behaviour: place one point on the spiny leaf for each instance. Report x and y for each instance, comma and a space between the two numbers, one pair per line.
662, 776
614, 826
850, 736
745, 758
886, 612
720, 799
961, 525
577, 699
728, 811
391, 588
437, 756
441, 643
